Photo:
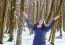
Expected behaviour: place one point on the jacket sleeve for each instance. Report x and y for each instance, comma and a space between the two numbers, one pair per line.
29, 23
47, 28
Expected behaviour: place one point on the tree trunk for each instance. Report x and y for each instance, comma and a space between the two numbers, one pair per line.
19, 10
12, 21
2, 14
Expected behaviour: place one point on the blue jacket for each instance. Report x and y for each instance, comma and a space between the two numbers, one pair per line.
39, 38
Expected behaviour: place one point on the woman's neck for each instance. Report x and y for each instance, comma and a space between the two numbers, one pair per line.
39, 26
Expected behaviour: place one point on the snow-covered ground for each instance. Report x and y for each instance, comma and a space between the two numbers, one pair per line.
27, 39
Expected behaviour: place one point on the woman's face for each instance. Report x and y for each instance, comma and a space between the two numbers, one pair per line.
41, 21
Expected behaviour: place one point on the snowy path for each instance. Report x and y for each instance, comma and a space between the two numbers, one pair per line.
28, 39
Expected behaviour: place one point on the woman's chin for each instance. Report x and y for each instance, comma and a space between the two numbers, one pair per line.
40, 23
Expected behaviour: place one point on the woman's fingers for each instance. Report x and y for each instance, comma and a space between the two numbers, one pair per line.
57, 17
25, 14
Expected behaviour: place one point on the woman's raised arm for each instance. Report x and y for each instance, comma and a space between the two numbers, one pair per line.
28, 21
52, 23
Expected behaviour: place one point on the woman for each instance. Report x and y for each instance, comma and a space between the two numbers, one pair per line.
39, 29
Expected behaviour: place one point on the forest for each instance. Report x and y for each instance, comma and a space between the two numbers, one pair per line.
12, 20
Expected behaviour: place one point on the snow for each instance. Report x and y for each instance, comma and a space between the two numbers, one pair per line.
27, 39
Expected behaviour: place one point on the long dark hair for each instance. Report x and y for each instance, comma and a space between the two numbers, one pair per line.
43, 24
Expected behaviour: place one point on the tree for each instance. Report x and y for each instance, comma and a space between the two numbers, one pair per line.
2, 14
12, 21
19, 10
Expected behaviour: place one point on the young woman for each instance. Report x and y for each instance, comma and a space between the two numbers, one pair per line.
39, 29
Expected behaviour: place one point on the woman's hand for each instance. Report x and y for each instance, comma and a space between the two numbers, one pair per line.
25, 15
57, 17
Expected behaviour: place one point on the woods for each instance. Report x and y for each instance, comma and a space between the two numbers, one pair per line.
11, 16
